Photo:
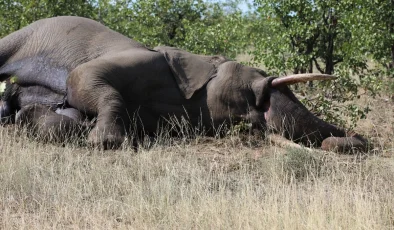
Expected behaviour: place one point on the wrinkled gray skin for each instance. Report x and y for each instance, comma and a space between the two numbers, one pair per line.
38, 108
71, 62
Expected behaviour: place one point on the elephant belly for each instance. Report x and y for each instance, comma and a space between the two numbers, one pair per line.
151, 117
156, 115
39, 71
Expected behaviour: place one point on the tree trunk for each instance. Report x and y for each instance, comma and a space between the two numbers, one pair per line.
310, 70
391, 64
330, 55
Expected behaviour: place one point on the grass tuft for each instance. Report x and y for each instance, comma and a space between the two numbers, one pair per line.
197, 182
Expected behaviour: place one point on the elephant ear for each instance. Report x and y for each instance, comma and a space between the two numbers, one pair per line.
191, 71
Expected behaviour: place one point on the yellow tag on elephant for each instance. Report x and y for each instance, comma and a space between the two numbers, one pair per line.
13, 79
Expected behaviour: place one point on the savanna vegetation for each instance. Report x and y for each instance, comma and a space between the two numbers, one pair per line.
237, 181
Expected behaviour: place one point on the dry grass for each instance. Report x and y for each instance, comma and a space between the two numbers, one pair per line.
204, 183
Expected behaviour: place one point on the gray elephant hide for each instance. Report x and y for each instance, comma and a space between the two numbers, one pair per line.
191, 71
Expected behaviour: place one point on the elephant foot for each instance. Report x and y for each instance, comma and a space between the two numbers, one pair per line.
345, 144
106, 138
47, 125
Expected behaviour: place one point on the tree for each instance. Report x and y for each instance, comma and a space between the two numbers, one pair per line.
197, 26
376, 18
17, 14
10, 12
306, 35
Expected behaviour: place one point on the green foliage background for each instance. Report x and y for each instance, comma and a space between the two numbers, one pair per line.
353, 39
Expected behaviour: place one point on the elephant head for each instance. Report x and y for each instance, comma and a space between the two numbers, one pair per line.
246, 93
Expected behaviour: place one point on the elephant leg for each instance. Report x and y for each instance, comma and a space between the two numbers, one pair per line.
98, 86
5, 112
7, 103
47, 124
91, 94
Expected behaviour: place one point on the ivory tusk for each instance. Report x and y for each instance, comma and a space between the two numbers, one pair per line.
296, 78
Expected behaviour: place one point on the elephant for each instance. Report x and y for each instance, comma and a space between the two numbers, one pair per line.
36, 108
71, 67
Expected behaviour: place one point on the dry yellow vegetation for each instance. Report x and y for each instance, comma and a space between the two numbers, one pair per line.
201, 183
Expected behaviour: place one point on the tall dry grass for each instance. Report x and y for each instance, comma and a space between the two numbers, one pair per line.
202, 183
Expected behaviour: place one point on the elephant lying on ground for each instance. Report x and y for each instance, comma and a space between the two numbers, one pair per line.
66, 67
40, 111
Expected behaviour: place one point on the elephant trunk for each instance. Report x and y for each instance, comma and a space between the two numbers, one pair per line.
289, 116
